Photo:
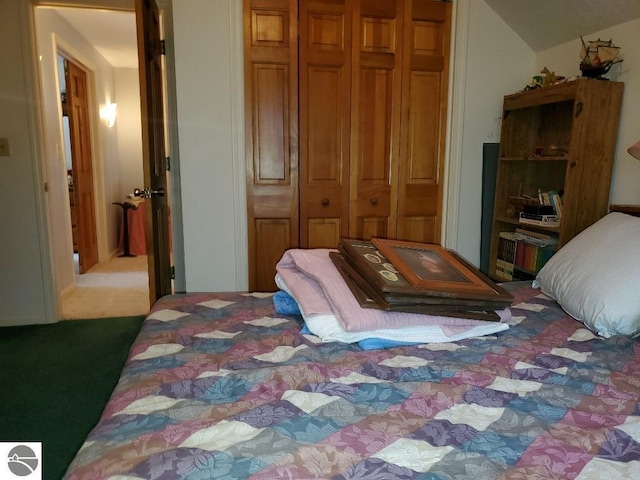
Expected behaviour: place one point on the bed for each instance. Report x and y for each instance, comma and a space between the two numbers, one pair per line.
219, 385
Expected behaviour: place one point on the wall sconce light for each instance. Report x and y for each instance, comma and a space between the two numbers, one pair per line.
108, 113
634, 151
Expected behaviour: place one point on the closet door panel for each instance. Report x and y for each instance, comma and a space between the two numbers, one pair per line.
271, 134
325, 83
423, 119
271, 163
373, 227
375, 125
323, 232
273, 239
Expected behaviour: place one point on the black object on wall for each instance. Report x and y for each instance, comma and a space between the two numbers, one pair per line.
490, 154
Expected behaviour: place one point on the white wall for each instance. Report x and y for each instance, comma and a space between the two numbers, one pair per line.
565, 60
498, 63
53, 34
129, 128
207, 52
23, 299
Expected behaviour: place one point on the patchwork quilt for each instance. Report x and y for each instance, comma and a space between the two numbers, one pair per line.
219, 386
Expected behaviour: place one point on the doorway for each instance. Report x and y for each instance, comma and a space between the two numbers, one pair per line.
86, 190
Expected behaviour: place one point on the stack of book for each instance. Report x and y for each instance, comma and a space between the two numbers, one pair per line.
521, 254
505, 259
547, 214
417, 277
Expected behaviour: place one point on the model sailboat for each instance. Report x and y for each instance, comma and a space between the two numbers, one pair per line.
597, 57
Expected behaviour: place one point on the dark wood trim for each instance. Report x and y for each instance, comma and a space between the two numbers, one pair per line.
628, 209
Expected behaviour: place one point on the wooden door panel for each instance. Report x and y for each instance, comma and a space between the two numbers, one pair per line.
272, 239
82, 165
423, 129
324, 232
153, 147
419, 229
324, 126
375, 106
271, 134
426, 39
270, 28
375, 119
378, 34
321, 203
271, 162
369, 227
421, 199
325, 83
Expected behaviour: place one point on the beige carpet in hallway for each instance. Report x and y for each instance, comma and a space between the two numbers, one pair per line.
118, 288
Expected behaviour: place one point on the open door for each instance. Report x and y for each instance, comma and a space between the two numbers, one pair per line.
153, 153
82, 165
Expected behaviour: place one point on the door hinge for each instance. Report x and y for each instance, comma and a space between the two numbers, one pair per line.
168, 164
163, 49
173, 272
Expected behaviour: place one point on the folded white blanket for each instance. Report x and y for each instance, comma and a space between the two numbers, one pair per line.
332, 313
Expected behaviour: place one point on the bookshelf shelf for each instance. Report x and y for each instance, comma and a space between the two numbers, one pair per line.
515, 221
556, 142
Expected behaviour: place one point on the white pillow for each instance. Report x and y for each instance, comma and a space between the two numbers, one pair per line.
595, 277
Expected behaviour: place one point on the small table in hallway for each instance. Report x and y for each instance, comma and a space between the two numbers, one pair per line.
133, 235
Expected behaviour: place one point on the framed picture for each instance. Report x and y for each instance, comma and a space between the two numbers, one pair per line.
432, 267
372, 265
388, 282
367, 297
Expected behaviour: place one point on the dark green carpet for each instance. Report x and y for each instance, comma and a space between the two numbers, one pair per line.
56, 380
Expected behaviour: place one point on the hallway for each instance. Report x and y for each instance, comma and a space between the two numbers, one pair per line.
118, 288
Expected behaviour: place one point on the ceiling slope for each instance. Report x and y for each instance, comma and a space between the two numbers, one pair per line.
544, 24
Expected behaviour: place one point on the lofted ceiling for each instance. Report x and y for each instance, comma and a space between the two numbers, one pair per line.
544, 24
540, 23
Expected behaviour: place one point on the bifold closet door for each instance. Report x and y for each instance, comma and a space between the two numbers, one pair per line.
375, 121
345, 121
325, 105
425, 58
271, 134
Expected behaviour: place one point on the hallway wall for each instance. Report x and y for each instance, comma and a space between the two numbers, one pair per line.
54, 32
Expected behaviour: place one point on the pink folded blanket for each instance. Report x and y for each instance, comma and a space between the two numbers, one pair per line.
315, 283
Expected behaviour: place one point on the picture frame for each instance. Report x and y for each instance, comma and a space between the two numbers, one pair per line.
431, 267
367, 297
380, 273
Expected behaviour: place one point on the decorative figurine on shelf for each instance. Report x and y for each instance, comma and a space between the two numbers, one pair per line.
597, 57
547, 78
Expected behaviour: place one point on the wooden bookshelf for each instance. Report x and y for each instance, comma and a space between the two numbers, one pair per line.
562, 139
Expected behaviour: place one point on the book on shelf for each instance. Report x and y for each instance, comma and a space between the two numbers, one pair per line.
549, 203
507, 244
523, 251
531, 258
556, 202
536, 238
539, 220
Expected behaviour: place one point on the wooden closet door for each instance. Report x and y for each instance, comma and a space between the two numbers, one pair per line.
375, 122
325, 105
426, 40
271, 116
